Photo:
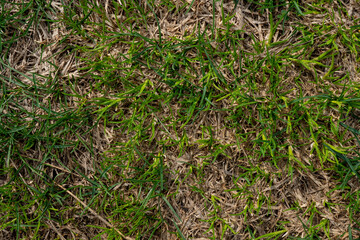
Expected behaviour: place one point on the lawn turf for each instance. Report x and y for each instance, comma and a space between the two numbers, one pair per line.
176, 119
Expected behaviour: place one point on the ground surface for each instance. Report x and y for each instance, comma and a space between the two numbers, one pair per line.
179, 119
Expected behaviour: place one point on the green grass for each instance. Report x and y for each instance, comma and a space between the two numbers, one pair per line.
139, 139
